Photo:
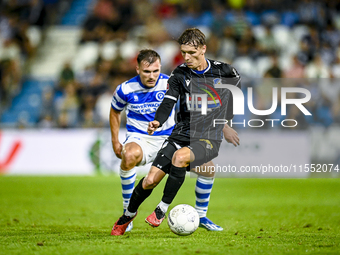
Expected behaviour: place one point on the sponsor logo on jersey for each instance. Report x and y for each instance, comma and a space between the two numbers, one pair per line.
144, 108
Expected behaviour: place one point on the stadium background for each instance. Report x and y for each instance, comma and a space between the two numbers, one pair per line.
60, 62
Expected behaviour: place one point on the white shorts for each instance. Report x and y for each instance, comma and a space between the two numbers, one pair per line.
150, 145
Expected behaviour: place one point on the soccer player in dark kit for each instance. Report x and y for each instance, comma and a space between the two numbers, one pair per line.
195, 140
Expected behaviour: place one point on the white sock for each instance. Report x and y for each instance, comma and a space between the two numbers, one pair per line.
130, 214
203, 190
127, 179
163, 206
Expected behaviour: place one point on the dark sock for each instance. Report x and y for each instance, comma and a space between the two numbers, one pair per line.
173, 183
138, 196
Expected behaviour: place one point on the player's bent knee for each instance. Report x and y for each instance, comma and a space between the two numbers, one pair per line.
149, 182
181, 158
132, 157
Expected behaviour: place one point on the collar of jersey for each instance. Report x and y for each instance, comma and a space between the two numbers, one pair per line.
203, 71
145, 87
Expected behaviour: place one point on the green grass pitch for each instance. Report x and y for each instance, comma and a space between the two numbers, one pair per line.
74, 215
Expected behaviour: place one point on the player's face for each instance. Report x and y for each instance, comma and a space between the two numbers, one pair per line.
194, 57
149, 73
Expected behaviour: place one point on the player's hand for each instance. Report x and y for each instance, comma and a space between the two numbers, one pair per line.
117, 148
153, 125
231, 136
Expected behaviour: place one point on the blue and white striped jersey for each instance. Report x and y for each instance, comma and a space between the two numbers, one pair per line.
141, 104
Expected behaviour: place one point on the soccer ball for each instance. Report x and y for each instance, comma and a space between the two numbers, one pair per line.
183, 220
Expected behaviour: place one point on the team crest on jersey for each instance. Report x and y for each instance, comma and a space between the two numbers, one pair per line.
217, 81
135, 98
160, 96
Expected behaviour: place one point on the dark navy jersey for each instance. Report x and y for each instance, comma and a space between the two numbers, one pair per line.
201, 101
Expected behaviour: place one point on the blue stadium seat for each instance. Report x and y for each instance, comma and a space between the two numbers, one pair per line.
28, 104
77, 13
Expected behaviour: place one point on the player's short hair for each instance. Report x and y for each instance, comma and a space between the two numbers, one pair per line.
148, 55
192, 36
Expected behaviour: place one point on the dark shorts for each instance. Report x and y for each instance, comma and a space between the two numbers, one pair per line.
203, 149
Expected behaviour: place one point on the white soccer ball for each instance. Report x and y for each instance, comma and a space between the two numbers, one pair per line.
183, 220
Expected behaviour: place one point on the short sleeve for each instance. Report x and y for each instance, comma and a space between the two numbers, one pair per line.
119, 99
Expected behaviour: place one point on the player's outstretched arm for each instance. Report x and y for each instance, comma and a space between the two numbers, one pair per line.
114, 126
164, 110
153, 125
230, 135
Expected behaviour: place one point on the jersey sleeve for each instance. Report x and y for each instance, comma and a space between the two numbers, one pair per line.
233, 78
173, 86
119, 99
170, 98
231, 75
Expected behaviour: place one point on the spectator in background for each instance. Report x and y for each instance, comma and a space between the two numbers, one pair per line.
267, 42
335, 68
305, 54
143, 9
85, 76
317, 69
105, 99
66, 75
327, 53
47, 122
67, 107
89, 116
264, 92
37, 15
239, 22
96, 87
275, 70
296, 70
336, 110
10, 76
228, 43
48, 113
171, 19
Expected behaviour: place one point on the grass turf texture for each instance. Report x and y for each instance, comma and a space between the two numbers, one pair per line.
74, 215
